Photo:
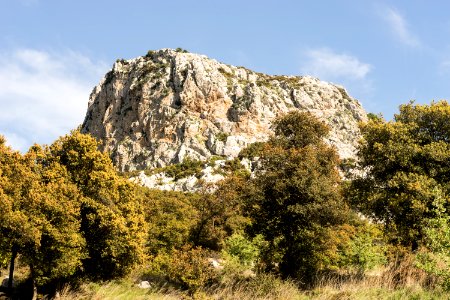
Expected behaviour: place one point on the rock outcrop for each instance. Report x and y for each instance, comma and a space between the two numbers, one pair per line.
157, 109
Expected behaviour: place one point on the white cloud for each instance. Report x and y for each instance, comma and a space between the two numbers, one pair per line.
44, 94
328, 65
399, 27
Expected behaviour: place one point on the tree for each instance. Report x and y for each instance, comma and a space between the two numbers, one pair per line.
297, 200
402, 164
220, 214
170, 216
39, 216
112, 220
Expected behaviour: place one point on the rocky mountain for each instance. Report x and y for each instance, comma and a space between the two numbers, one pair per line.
158, 109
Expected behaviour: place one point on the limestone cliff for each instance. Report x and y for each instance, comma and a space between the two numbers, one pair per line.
156, 110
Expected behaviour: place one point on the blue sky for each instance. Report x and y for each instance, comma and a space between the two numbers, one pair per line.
53, 52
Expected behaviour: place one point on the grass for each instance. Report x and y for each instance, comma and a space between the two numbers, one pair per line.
383, 284
263, 288
121, 290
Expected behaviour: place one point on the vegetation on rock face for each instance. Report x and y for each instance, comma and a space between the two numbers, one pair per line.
230, 106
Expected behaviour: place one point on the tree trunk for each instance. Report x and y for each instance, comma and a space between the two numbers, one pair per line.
34, 291
33, 283
11, 267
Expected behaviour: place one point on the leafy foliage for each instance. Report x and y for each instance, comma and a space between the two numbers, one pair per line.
112, 221
188, 167
245, 250
220, 214
187, 267
297, 201
358, 247
171, 218
39, 211
403, 162
434, 257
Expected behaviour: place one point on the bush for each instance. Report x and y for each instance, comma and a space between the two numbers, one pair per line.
222, 137
252, 150
171, 218
181, 50
188, 267
220, 214
188, 167
359, 247
434, 257
245, 250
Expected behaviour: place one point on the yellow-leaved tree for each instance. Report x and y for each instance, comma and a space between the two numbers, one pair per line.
112, 220
39, 209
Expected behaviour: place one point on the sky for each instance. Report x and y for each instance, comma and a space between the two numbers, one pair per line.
53, 52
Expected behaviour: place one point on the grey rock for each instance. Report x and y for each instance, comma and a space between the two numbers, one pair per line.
144, 285
158, 109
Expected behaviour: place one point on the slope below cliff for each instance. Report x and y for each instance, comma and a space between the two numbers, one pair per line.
156, 110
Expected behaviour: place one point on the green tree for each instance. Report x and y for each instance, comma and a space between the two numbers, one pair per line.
220, 214
170, 217
401, 163
297, 200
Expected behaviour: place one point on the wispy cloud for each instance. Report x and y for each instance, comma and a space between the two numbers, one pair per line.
326, 64
44, 94
399, 26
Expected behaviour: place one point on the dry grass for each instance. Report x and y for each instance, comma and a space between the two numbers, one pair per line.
386, 284
399, 281
116, 291
263, 287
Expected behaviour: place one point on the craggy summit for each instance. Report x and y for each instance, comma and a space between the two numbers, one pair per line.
160, 108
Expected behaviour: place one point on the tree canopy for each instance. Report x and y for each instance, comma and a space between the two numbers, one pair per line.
65, 210
39, 211
404, 165
112, 220
297, 200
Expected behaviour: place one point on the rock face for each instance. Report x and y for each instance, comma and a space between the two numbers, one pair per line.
156, 110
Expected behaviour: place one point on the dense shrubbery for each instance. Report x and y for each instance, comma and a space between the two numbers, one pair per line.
187, 267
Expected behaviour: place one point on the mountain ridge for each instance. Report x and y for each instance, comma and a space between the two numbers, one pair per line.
158, 109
